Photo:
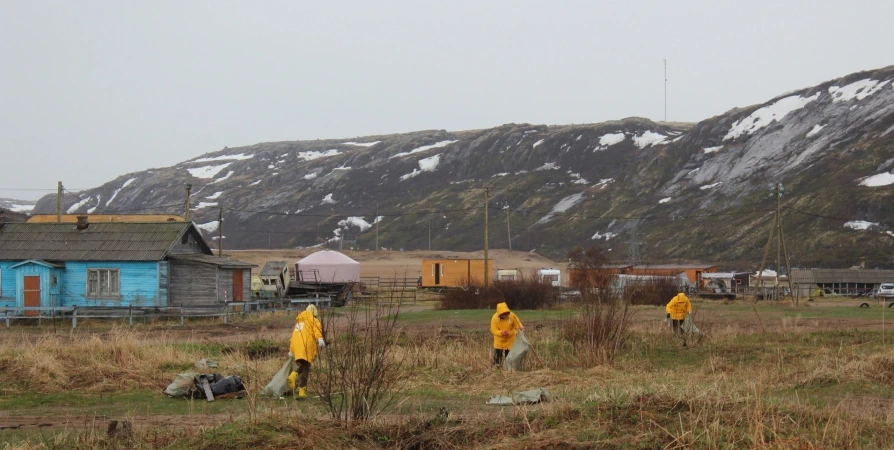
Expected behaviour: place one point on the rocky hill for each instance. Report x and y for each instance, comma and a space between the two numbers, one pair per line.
681, 192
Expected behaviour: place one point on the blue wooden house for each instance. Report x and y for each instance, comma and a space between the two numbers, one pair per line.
114, 264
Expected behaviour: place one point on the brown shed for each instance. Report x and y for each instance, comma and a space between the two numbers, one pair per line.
454, 272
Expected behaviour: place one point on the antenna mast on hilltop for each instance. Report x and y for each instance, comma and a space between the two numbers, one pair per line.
665, 90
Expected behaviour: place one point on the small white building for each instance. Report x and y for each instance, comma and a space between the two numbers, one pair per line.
507, 275
550, 276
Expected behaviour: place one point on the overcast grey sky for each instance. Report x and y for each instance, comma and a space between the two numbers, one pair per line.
90, 90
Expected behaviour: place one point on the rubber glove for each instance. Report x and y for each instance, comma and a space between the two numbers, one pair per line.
321, 343
291, 355
521, 328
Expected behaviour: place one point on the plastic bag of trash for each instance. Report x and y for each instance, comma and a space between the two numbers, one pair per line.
521, 398
205, 364
517, 352
279, 385
182, 386
689, 326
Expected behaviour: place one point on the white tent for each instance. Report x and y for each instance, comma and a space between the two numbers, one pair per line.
328, 266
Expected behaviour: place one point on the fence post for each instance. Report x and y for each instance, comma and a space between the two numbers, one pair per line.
226, 314
130, 315
181, 316
74, 317
7, 318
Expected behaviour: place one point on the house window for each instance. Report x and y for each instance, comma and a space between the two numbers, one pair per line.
103, 283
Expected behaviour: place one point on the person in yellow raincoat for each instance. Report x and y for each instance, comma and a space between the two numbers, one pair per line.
504, 325
677, 309
307, 337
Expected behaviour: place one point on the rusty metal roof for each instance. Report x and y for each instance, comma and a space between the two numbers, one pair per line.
219, 261
674, 266
822, 276
107, 241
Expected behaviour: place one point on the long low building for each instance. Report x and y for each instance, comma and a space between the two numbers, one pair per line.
855, 281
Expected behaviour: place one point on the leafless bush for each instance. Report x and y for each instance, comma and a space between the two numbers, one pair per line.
655, 291
601, 326
524, 293
360, 373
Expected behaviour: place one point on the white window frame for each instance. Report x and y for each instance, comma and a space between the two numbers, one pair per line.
114, 289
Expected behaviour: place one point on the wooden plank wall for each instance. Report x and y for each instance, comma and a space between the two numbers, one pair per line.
193, 284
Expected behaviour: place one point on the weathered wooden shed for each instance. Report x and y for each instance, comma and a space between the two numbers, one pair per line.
453, 272
205, 280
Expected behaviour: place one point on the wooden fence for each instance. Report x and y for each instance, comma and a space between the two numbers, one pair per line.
225, 311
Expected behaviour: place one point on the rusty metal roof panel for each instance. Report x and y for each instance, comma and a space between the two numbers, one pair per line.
106, 241
272, 268
215, 260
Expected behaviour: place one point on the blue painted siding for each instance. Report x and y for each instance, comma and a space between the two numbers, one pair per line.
35, 270
7, 284
138, 280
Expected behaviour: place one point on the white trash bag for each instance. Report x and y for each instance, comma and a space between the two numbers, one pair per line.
182, 386
517, 353
279, 385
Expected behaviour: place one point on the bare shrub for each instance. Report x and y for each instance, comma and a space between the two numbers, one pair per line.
602, 323
655, 291
524, 293
359, 373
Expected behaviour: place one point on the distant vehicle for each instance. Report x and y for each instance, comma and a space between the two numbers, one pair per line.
886, 290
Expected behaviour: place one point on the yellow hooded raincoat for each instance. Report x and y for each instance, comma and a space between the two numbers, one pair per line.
498, 326
679, 307
304, 336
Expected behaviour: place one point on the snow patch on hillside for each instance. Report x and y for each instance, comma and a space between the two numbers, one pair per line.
310, 176
358, 222
425, 165
209, 227
361, 144
214, 196
816, 129
768, 114
501, 174
228, 175
860, 225
577, 179
856, 90
76, 206
547, 166
312, 155
610, 139
202, 205
115, 194
664, 200
327, 199
239, 157
712, 149
424, 148
539, 142
882, 179
207, 171
604, 182
564, 205
607, 235
710, 186
98, 201
648, 139
256, 183
15, 207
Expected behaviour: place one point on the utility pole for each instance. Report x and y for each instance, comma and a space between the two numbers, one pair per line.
486, 272
219, 230
429, 233
59, 202
186, 202
781, 250
665, 90
508, 230
377, 226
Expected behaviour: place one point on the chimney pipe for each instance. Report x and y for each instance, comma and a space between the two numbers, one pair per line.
862, 262
83, 223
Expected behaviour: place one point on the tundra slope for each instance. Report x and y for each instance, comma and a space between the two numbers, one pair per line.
691, 192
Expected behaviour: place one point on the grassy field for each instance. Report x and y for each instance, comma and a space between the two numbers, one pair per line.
763, 376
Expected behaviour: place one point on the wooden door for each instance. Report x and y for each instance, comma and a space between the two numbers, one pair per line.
437, 274
237, 285
32, 294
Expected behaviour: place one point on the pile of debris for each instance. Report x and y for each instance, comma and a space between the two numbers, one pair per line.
209, 386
